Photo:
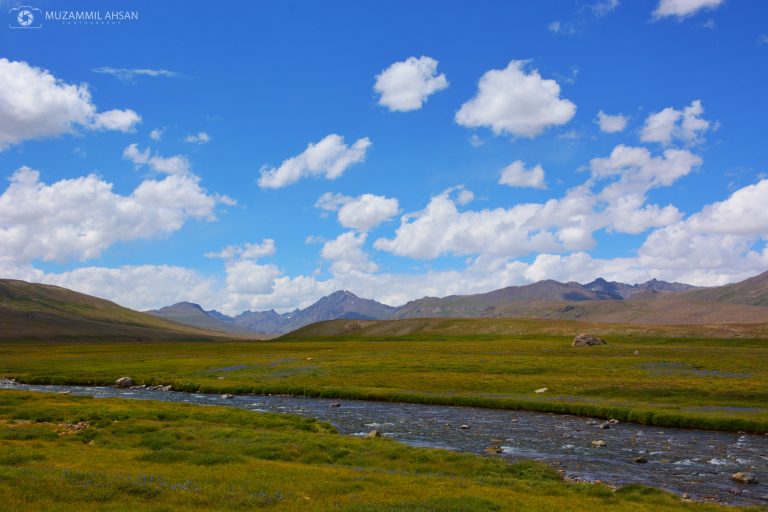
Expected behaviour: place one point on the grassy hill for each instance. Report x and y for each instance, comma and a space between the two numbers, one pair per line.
494, 327
753, 291
44, 312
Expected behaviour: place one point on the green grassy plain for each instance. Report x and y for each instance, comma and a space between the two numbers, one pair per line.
61, 452
678, 379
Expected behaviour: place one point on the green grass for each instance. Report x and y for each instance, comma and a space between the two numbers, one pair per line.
686, 381
134, 456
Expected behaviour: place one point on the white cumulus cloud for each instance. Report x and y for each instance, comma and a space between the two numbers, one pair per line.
611, 123
156, 134
35, 104
683, 8
118, 120
248, 277
177, 164
198, 138
670, 125
328, 158
363, 212
79, 218
637, 170
516, 175
724, 241
247, 251
346, 254
516, 102
406, 85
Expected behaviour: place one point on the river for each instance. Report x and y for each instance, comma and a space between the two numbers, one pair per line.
696, 462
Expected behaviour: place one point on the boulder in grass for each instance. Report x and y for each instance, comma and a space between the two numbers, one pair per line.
587, 340
124, 382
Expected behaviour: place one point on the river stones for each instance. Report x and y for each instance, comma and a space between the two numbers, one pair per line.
373, 434
604, 426
335, 404
587, 340
640, 460
124, 382
744, 477
464, 427
599, 443
227, 396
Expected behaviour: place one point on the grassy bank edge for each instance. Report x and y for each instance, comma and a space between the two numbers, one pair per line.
625, 414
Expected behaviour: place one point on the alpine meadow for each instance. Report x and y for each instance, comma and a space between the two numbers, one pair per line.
384, 256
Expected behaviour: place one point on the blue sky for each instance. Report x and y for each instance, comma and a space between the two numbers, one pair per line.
429, 175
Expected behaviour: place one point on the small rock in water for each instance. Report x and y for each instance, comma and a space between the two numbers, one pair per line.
335, 404
599, 443
604, 426
494, 450
541, 390
124, 382
373, 434
464, 427
613, 421
744, 477
227, 396
640, 460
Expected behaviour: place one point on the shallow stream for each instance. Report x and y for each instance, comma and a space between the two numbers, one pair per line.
696, 462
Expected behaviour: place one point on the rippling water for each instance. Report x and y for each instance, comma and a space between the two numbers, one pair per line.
696, 462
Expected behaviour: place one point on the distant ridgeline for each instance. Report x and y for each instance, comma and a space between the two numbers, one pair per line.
652, 302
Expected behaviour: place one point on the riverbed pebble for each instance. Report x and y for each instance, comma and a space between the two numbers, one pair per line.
744, 477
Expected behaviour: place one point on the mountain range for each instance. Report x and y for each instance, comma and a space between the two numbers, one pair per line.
30, 311
338, 305
651, 302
